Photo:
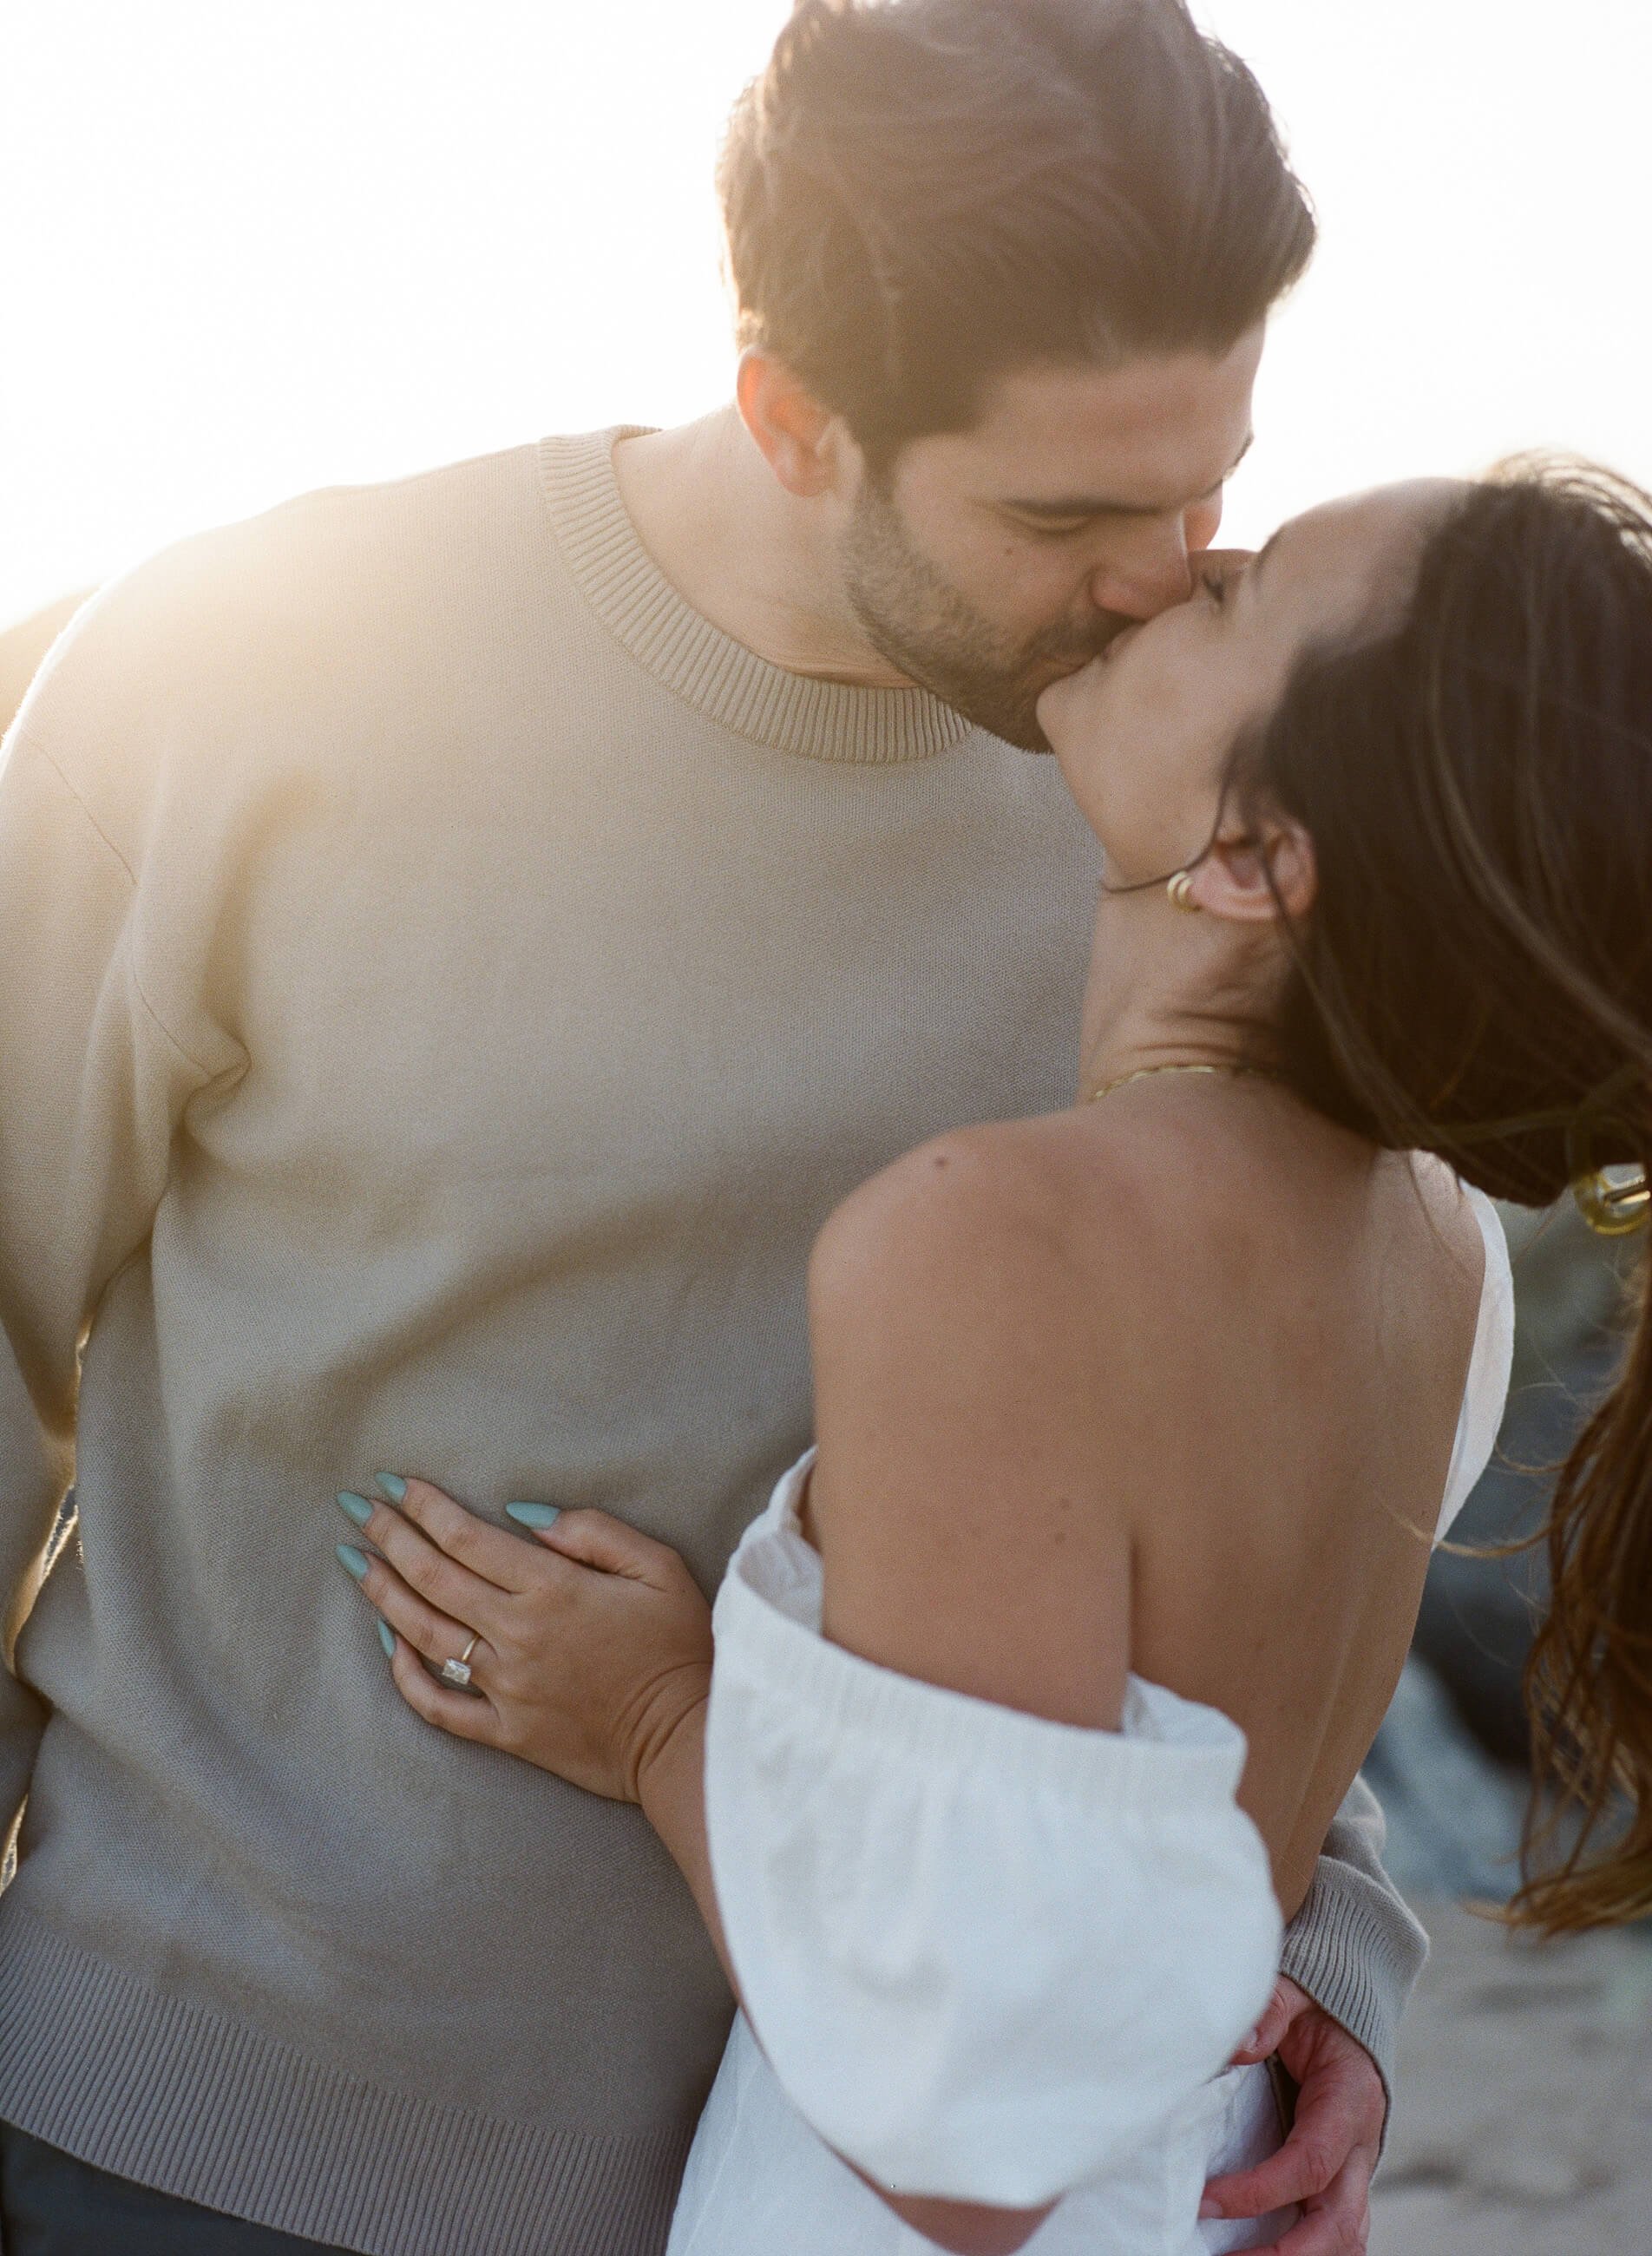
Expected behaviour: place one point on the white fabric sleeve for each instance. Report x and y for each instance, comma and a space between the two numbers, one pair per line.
1485, 1396
985, 1953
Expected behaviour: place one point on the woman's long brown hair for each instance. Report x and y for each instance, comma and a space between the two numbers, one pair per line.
1475, 979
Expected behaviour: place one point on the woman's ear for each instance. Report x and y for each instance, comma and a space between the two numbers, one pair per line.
1248, 877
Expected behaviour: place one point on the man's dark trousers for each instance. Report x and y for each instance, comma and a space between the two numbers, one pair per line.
51, 2205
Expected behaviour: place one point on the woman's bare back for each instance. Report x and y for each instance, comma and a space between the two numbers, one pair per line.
1168, 1386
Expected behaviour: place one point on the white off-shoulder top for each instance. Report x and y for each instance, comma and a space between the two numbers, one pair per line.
987, 1955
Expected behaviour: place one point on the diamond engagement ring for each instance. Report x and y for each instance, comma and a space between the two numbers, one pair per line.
457, 1673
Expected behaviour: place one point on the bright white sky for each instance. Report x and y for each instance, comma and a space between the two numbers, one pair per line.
249, 249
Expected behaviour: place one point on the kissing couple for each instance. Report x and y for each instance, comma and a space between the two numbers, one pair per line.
538, 997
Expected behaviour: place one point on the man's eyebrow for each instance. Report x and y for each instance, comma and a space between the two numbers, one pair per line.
1069, 506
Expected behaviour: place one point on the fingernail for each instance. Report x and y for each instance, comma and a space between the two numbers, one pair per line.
387, 1639
393, 1485
358, 1506
356, 1560
1207, 2209
534, 1515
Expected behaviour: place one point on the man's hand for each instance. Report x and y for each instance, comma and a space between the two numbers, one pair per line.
1326, 2163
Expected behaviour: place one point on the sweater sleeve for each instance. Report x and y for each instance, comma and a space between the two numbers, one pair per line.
93, 1088
1354, 1946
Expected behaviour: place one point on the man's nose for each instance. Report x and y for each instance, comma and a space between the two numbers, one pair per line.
1156, 575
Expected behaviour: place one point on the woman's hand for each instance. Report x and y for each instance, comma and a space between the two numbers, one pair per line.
590, 1646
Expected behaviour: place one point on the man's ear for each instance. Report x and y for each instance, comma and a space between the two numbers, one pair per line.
1248, 875
802, 442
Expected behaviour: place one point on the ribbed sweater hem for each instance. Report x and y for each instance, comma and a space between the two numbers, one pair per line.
176, 2098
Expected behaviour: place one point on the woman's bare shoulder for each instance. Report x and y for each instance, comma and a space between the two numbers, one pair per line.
1008, 1325
1026, 1189
959, 1502
1152, 1234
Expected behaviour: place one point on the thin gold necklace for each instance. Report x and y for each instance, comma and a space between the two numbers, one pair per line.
1146, 1072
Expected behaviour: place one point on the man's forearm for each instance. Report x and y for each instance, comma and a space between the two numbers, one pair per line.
1354, 1946
37, 1476
96, 1084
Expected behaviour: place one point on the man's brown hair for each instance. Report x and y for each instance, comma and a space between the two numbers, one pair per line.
921, 195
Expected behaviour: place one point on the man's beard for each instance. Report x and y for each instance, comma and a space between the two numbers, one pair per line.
919, 622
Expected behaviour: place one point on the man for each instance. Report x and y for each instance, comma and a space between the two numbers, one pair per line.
461, 939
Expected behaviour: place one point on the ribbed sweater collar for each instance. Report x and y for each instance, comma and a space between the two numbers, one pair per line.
696, 661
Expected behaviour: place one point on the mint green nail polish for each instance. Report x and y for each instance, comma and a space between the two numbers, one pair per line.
358, 1506
387, 1639
534, 1515
393, 1485
356, 1560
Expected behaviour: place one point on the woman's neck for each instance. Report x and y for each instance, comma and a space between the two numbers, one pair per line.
1169, 989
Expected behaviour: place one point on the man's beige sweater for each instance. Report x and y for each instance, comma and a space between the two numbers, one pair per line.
444, 985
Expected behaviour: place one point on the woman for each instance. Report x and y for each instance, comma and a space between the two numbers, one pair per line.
1135, 1422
